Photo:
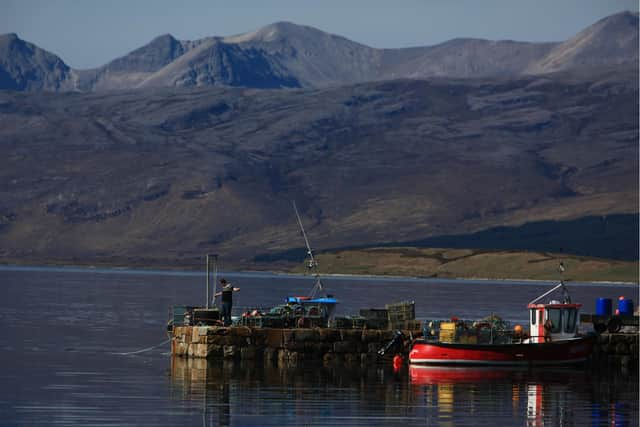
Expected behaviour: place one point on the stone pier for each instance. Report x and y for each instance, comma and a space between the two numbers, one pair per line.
618, 349
283, 345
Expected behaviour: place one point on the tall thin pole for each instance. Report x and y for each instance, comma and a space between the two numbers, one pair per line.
561, 284
215, 275
207, 292
312, 261
313, 264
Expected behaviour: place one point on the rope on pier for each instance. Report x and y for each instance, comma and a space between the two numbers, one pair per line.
144, 349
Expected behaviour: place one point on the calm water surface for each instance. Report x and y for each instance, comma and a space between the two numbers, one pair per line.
61, 332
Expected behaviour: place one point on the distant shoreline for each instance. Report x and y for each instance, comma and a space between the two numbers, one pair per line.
181, 271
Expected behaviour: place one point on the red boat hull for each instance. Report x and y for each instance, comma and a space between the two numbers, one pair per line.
556, 352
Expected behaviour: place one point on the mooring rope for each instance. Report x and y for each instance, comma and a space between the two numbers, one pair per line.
144, 349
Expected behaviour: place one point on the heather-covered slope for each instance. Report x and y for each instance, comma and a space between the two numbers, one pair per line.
172, 174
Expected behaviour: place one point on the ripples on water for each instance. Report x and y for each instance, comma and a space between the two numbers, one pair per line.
317, 395
61, 330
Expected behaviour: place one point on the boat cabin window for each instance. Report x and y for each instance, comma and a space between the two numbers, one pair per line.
533, 316
555, 315
570, 317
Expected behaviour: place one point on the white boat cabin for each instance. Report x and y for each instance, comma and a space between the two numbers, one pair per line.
553, 322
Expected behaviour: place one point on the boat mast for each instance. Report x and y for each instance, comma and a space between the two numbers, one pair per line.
313, 264
566, 299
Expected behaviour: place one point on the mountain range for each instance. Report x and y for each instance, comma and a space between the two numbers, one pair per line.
375, 146
286, 55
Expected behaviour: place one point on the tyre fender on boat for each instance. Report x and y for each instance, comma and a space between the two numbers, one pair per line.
548, 327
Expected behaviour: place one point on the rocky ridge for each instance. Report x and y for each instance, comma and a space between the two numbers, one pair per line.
286, 55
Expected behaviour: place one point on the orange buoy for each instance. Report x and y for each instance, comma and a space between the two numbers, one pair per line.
397, 362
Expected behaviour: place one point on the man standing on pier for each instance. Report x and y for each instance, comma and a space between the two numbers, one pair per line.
227, 300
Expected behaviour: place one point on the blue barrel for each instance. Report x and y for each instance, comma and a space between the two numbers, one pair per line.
625, 306
603, 307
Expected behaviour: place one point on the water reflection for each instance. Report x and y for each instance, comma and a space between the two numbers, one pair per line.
543, 396
60, 366
314, 393
235, 393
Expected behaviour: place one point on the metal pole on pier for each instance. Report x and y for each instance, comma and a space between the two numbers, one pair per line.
215, 275
207, 292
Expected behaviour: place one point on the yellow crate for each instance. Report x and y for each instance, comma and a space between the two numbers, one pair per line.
448, 326
447, 336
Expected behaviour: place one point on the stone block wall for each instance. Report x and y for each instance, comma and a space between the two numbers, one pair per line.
616, 349
283, 345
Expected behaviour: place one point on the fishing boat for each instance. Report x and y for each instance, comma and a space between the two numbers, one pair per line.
553, 338
316, 309
325, 304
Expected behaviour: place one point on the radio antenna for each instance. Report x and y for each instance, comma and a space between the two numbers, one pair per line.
313, 264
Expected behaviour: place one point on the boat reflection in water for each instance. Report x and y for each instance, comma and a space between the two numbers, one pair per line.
560, 396
241, 393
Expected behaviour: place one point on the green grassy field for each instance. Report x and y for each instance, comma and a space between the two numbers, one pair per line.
473, 263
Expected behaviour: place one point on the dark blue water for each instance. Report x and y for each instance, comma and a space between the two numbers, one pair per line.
61, 330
